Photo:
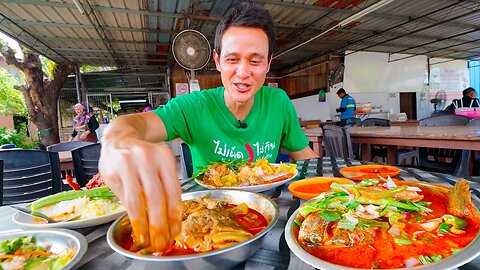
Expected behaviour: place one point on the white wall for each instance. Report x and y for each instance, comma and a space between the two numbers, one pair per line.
370, 72
370, 77
449, 77
308, 108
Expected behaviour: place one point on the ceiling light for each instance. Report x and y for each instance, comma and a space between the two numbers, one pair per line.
79, 6
364, 12
133, 101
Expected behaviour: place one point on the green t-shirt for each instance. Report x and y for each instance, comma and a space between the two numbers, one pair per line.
203, 121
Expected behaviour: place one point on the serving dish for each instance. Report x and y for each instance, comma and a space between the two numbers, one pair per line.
60, 240
369, 171
252, 188
310, 187
461, 257
29, 221
217, 259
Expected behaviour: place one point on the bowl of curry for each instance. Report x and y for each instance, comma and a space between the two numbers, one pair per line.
220, 229
372, 225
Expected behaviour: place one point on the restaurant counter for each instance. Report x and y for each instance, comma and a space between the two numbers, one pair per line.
274, 252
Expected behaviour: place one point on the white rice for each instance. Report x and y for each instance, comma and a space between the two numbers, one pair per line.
85, 207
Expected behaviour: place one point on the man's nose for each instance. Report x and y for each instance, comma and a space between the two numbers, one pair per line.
243, 69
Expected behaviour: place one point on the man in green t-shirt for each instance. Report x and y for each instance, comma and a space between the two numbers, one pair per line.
241, 120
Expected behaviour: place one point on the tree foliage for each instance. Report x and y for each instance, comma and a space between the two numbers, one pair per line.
11, 100
41, 94
88, 68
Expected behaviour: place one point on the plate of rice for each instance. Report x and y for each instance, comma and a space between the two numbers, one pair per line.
89, 210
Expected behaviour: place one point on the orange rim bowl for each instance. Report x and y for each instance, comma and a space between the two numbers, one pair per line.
311, 187
362, 171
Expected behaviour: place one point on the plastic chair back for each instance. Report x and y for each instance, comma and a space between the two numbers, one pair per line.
8, 146
439, 159
352, 122
29, 175
1, 182
376, 122
187, 159
444, 120
337, 142
473, 122
85, 162
66, 146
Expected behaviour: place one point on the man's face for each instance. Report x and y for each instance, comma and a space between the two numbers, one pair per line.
472, 94
341, 95
243, 62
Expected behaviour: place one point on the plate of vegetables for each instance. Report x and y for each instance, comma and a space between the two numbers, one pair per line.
242, 175
41, 249
89, 207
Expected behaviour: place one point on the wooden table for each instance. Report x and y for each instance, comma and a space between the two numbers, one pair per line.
453, 137
274, 254
66, 162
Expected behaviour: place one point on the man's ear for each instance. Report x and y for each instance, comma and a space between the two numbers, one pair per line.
216, 57
269, 63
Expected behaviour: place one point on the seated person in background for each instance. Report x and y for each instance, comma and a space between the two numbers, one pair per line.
84, 125
469, 100
243, 119
148, 108
347, 107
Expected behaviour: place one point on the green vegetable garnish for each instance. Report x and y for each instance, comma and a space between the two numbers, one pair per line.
100, 193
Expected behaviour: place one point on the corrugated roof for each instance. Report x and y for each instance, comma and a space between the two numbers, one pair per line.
138, 34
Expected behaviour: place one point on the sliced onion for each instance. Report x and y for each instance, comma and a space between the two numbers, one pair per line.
390, 183
418, 232
351, 219
414, 189
393, 208
346, 191
360, 208
411, 262
372, 209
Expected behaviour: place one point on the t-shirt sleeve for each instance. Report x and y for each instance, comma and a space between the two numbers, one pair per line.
293, 138
174, 117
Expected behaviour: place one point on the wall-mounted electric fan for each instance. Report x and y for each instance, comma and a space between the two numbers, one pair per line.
191, 50
439, 101
336, 75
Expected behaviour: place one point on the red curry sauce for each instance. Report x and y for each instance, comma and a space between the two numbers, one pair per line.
252, 221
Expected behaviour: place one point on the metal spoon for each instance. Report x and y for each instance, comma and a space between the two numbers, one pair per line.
41, 216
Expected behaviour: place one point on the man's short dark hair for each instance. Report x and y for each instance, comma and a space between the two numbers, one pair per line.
246, 14
467, 91
341, 91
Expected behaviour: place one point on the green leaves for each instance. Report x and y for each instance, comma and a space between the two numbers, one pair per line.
11, 100
8, 136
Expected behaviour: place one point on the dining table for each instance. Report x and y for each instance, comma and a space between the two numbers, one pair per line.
274, 252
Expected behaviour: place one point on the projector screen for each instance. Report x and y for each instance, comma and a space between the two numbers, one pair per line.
369, 72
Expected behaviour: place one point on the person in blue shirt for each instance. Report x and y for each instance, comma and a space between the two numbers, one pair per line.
347, 107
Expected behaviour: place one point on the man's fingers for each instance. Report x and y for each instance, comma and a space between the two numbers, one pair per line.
134, 202
171, 186
156, 201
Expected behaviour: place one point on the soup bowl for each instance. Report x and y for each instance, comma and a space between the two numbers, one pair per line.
216, 259
464, 256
